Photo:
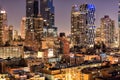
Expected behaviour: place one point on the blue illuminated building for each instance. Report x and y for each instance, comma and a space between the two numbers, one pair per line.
83, 25
88, 11
91, 7
47, 11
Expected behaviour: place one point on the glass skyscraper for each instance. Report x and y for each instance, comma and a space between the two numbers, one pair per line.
34, 24
32, 8
31, 12
107, 29
82, 25
3, 23
47, 11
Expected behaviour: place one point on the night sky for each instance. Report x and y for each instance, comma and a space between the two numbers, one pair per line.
16, 10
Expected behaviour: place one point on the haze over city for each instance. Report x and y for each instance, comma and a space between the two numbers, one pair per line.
59, 40
16, 10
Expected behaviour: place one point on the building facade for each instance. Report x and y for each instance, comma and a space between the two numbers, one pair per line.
32, 8
3, 23
82, 25
34, 36
11, 51
107, 31
39, 27
23, 26
31, 13
47, 11
34, 24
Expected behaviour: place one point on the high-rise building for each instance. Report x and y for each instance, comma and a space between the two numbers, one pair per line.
82, 25
34, 23
31, 12
10, 33
32, 8
3, 23
88, 11
34, 36
107, 30
15, 35
23, 24
47, 11
39, 27
77, 32
98, 34
5, 34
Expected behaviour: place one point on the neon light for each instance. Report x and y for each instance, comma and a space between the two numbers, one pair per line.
91, 7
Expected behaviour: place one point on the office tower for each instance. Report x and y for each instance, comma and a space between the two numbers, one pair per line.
34, 36
107, 30
47, 11
3, 23
98, 34
38, 23
76, 30
82, 25
5, 34
15, 35
10, 33
32, 8
33, 24
88, 11
22, 28
31, 12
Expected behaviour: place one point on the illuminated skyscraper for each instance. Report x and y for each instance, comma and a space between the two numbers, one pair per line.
23, 24
15, 35
33, 36
10, 32
88, 11
39, 26
47, 11
3, 23
34, 23
32, 8
107, 30
31, 12
77, 32
82, 25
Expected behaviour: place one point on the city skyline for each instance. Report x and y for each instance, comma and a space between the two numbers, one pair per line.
62, 12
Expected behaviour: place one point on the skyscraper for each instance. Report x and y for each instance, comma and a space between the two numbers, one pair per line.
31, 12
34, 23
77, 32
107, 30
32, 8
3, 23
88, 11
82, 25
47, 11
23, 24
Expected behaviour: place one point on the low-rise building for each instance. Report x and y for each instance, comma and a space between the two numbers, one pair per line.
11, 51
